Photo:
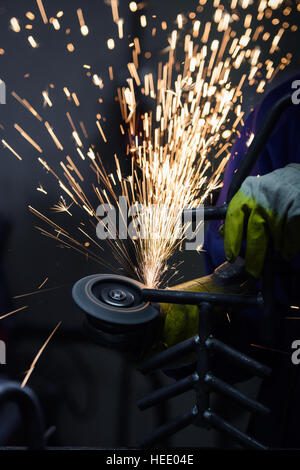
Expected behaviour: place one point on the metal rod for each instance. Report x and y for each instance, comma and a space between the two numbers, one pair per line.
168, 429
170, 391
30, 411
258, 369
169, 355
163, 409
192, 298
260, 140
222, 387
210, 213
221, 425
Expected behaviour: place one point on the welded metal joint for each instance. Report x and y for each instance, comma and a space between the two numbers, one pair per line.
203, 360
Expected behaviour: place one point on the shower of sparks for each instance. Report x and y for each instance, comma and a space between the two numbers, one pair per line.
180, 146
34, 362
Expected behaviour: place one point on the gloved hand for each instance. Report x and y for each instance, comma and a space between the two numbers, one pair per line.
264, 208
181, 321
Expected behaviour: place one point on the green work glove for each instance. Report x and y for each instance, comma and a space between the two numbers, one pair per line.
266, 207
181, 321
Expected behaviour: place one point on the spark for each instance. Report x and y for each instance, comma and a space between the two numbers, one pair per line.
83, 129
111, 72
27, 294
75, 99
55, 139
268, 349
11, 149
143, 21
34, 362
32, 42
55, 24
249, 141
15, 25
83, 27
101, 131
114, 9
67, 93
14, 311
133, 6
42, 11
120, 28
41, 189
30, 15
28, 138
43, 283
62, 206
70, 47
47, 99
179, 21
76, 138
110, 44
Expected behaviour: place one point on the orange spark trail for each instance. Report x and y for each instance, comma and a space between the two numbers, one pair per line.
33, 364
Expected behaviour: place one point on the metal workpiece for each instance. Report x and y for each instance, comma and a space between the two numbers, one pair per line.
168, 429
30, 411
196, 298
238, 357
227, 390
218, 423
210, 213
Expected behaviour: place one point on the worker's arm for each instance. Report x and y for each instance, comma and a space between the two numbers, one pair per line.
265, 212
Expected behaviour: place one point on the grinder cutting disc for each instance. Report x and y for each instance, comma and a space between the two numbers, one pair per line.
113, 299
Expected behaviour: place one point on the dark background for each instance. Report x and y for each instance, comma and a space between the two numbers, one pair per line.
85, 389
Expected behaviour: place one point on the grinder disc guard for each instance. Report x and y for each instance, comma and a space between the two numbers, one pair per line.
113, 299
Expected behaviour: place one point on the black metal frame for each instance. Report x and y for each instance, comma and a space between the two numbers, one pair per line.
30, 411
202, 380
